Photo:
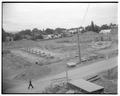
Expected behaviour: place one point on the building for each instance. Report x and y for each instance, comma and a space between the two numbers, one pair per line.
72, 31
50, 36
9, 38
105, 35
106, 31
86, 87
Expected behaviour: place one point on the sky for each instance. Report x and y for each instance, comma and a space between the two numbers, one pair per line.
20, 16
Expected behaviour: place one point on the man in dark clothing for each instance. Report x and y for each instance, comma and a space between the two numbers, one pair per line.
30, 85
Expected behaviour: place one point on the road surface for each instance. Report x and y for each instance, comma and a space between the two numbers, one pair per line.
77, 73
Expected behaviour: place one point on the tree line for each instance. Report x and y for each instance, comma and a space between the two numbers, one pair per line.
95, 28
36, 33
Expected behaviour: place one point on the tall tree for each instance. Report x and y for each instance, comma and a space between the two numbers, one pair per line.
34, 31
92, 26
96, 28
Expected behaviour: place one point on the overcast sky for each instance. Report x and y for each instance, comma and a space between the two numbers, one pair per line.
19, 16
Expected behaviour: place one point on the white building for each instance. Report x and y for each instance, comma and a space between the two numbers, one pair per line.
47, 36
106, 31
72, 31
105, 34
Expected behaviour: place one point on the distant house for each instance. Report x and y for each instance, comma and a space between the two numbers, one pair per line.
75, 30
45, 37
107, 31
114, 26
105, 34
59, 35
114, 29
72, 31
50, 36
55, 36
9, 38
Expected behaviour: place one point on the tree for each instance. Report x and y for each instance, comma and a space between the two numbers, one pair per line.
96, 29
92, 26
17, 36
111, 25
105, 26
88, 28
39, 37
34, 32
5, 34
59, 30
25, 32
49, 31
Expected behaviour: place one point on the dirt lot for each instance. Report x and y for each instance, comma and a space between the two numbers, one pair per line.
21, 66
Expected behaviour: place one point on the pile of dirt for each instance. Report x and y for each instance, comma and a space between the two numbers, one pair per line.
101, 44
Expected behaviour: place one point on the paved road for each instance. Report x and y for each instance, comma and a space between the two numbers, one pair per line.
73, 74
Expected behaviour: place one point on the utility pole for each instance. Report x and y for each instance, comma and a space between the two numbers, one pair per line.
79, 45
67, 74
66, 77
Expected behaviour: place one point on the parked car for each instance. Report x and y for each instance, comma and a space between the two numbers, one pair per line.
84, 59
71, 64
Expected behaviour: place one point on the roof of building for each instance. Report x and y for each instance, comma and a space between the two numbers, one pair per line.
86, 85
105, 31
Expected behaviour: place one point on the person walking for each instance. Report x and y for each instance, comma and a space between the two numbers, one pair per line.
30, 84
